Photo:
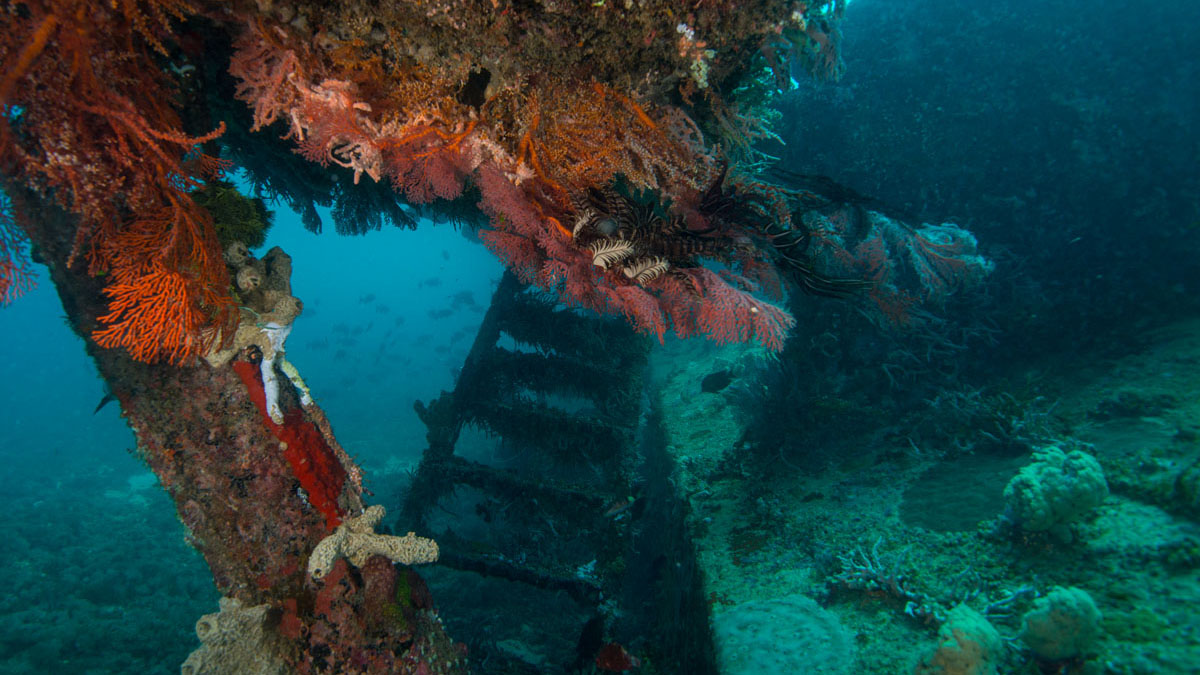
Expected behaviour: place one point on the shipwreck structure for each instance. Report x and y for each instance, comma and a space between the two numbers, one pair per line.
581, 504
605, 151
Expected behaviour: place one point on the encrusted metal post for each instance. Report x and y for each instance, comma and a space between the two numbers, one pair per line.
256, 496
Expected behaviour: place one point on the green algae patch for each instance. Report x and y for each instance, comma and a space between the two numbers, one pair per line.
1140, 625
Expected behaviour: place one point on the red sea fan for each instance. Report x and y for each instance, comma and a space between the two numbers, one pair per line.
518, 253
16, 276
638, 307
731, 315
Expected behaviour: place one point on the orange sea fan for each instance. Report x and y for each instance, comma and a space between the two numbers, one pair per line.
588, 137
155, 313
169, 294
92, 125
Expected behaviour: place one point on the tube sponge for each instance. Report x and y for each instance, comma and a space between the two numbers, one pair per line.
236, 640
356, 541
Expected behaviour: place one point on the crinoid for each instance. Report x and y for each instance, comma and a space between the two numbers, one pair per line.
632, 235
730, 223
775, 212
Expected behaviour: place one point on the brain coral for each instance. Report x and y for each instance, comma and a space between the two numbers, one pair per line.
1055, 489
967, 645
1063, 625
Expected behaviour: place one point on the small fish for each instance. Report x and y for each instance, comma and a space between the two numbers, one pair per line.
440, 313
462, 299
431, 281
615, 659
108, 398
618, 507
317, 344
366, 299
715, 382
